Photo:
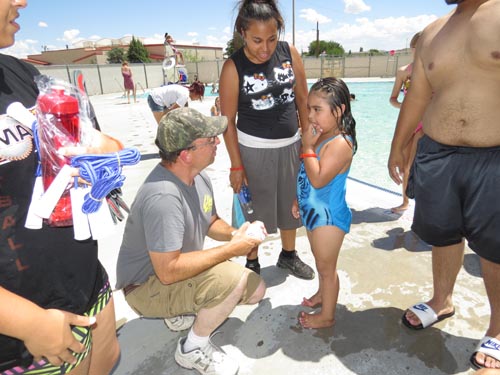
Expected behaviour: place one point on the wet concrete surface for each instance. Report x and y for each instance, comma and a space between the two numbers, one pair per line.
383, 269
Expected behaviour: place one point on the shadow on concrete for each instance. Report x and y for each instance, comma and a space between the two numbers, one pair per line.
472, 265
360, 341
274, 275
268, 330
398, 238
373, 215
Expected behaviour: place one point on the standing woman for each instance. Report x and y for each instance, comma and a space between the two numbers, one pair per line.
128, 82
264, 83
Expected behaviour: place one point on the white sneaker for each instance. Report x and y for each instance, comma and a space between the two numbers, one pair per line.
180, 322
211, 360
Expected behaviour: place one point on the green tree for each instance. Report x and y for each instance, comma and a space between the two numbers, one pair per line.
137, 53
375, 52
116, 55
330, 48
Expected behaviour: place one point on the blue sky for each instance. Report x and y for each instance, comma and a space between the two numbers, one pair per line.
381, 24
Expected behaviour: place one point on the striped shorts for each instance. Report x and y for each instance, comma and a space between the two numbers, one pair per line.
82, 334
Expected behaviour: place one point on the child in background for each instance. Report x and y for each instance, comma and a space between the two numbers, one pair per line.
327, 151
215, 110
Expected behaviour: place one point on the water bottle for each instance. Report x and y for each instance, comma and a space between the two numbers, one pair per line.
61, 111
245, 199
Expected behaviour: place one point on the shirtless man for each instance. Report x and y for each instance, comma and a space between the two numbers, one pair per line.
456, 91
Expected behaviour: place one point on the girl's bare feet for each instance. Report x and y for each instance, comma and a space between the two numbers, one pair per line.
314, 301
401, 208
315, 320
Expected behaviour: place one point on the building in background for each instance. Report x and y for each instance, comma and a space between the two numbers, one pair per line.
95, 52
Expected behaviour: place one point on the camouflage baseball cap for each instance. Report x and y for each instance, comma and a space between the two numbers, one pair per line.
180, 127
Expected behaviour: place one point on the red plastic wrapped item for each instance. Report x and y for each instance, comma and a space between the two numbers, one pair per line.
59, 126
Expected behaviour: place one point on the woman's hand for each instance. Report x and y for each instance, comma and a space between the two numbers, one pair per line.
237, 179
52, 337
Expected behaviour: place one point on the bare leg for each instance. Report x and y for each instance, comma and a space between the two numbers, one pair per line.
253, 253
491, 277
135, 97
288, 239
128, 96
207, 320
315, 300
105, 347
326, 244
446, 262
158, 116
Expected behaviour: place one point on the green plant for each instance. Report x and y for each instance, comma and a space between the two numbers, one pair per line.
116, 55
137, 53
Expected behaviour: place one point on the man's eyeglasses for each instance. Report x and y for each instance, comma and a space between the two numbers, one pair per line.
211, 142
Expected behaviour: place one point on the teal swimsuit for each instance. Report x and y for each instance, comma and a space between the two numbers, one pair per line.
326, 205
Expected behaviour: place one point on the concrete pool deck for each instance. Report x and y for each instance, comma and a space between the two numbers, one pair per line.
383, 269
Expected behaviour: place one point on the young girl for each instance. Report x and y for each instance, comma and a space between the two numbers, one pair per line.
327, 151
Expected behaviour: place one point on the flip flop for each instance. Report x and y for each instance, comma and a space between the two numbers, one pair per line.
489, 346
427, 316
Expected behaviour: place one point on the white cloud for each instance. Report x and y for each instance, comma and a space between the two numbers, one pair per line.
356, 6
70, 35
311, 15
23, 48
382, 33
192, 34
42, 24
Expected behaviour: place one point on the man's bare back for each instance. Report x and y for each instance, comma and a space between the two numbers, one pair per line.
457, 65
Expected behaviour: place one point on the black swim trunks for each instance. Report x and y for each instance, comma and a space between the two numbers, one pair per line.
456, 196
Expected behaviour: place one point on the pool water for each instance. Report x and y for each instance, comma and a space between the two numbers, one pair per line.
375, 123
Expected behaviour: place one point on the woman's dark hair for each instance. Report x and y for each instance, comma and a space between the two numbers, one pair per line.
256, 10
336, 93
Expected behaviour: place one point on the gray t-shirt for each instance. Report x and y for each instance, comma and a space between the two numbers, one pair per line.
166, 215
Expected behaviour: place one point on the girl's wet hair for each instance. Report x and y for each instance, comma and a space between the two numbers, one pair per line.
198, 88
336, 93
257, 10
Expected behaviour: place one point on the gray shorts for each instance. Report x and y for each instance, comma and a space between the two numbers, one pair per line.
272, 181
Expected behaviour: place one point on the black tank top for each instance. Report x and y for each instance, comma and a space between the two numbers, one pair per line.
266, 102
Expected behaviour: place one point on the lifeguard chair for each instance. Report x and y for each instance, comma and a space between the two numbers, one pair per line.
173, 72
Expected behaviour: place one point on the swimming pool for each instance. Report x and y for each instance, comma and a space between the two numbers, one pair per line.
375, 123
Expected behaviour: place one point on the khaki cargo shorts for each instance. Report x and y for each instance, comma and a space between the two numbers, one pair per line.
208, 289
